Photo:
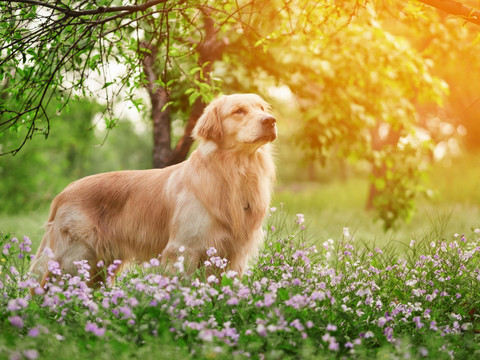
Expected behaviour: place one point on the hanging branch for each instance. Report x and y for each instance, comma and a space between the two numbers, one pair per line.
69, 12
44, 44
455, 8
50, 49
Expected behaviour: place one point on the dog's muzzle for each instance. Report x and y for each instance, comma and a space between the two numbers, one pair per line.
269, 128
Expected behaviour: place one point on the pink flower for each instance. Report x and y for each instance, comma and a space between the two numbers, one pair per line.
16, 304
211, 251
268, 300
297, 301
126, 311
333, 345
232, 301
16, 321
54, 267
6, 247
300, 219
331, 327
417, 321
30, 354
93, 328
317, 295
231, 274
388, 332
34, 332
261, 330
297, 325
382, 321
212, 279
154, 262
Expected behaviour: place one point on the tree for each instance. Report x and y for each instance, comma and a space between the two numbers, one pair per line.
357, 85
357, 92
452, 46
53, 50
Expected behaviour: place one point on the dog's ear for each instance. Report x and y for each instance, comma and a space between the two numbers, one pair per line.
209, 125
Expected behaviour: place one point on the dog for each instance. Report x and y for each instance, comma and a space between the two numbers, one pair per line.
217, 198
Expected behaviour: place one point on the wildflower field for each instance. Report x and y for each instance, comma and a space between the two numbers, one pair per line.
339, 299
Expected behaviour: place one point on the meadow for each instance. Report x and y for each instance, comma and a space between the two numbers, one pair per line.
329, 283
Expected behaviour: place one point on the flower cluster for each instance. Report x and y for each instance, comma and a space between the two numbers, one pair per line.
338, 298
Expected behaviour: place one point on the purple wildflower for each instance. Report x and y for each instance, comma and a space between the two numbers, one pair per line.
232, 301
333, 345
300, 219
30, 354
261, 330
417, 321
211, 252
16, 321
94, 329
6, 248
212, 279
54, 267
34, 332
297, 325
331, 327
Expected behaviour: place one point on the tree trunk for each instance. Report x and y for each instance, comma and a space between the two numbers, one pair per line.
161, 131
160, 114
209, 50
183, 146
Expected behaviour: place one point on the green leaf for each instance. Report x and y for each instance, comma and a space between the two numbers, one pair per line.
283, 294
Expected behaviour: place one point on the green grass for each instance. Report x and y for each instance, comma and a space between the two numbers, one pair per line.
30, 224
331, 207
453, 207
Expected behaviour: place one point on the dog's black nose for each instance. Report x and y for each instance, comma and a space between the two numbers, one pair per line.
268, 121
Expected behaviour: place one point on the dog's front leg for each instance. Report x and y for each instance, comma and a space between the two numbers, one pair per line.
180, 260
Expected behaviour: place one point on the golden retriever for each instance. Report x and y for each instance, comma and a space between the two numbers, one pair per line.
217, 198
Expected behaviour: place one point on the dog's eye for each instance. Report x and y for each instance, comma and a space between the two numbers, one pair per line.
239, 111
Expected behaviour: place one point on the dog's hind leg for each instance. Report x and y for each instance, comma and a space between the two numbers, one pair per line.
75, 251
39, 265
70, 237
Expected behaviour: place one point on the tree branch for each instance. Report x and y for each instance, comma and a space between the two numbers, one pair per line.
455, 8
100, 10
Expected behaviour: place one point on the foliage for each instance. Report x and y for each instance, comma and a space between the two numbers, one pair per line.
452, 47
296, 301
33, 177
362, 91
61, 51
358, 90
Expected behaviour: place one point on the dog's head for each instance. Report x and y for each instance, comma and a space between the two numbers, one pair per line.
236, 120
